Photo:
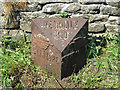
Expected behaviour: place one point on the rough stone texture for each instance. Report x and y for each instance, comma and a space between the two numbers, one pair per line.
74, 7
92, 9
20, 34
114, 20
2, 22
5, 32
113, 2
54, 16
112, 28
28, 36
26, 17
97, 11
109, 10
48, 1
34, 6
91, 1
96, 27
15, 34
52, 8
98, 18
26, 26
92, 18
1, 33
1, 8
82, 1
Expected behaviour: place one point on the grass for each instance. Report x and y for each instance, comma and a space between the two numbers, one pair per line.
15, 56
101, 70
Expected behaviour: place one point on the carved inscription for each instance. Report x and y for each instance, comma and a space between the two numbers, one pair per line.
58, 45
61, 28
63, 35
49, 56
42, 51
65, 25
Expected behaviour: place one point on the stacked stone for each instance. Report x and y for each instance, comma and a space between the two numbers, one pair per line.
1, 33
13, 29
103, 15
2, 21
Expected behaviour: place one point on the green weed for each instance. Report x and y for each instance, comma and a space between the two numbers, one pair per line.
15, 55
17, 67
103, 65
101, 70
63, 15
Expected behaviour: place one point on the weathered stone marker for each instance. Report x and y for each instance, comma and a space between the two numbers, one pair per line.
58, 45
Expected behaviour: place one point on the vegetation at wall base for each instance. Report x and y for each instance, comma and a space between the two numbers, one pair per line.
101, 70
63, 15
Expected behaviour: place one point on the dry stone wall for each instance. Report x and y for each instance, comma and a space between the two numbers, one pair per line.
103, 15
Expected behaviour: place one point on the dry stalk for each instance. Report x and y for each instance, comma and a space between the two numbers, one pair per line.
10, 8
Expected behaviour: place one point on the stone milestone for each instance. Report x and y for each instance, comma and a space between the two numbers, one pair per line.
58, 45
